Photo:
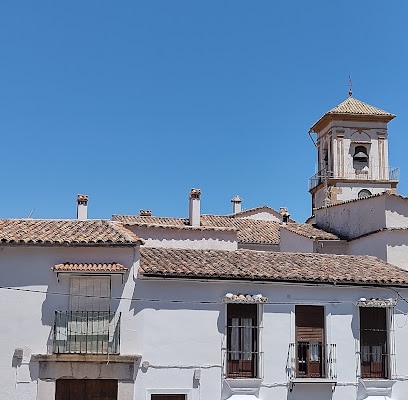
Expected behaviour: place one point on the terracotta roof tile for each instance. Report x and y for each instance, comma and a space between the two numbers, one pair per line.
270, 266
89, 267
256, 209
385, 193
249, 230
65, 232
150, 220
310, 231
353, 107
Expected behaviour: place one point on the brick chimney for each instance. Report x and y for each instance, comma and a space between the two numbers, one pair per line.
82, 208
236, 204
194, 210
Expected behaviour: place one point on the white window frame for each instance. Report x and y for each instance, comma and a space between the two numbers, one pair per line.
187, 392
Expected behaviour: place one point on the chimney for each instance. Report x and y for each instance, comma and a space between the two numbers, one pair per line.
145, 213
283, 211
82, 209
236, 204
194, 211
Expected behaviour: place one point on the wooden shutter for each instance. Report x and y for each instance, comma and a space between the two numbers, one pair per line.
168, 397
309, 324
242, 340
86, 389
373, 342
89, 293
373, 325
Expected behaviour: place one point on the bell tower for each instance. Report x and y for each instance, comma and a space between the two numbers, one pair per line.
352, 154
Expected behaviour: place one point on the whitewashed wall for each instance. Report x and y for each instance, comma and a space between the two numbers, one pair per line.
187, 238
260, 215
353, 219
291, 242
179, 326
185, 332
29, 312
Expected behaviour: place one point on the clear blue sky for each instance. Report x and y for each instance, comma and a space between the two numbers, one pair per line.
135, 102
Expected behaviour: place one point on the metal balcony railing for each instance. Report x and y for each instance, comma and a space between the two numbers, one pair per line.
373, 173
86, 332
376, 362
311, 360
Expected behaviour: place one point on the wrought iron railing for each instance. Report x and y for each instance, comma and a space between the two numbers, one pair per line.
86, 332
374, 173
375, 362
311, 360
242, 364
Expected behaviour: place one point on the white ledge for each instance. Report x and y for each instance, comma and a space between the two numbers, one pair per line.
243, 385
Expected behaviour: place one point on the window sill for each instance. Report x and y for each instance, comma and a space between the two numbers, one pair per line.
243, 385
314, 380
377, 386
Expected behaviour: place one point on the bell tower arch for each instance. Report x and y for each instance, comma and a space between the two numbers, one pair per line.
352, 154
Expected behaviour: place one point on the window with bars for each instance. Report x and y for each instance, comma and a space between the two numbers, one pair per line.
88, 326
242, 341
374, 343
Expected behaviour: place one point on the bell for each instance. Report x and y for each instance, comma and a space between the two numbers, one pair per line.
361, 156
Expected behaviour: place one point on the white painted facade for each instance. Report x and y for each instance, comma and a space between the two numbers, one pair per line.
376, 226
171, 363
30, 294
187, 237
173, 330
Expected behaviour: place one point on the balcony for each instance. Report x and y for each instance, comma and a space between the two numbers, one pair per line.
374, 173
311, 362
86, 332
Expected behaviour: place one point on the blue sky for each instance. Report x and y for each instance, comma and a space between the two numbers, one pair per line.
136, 102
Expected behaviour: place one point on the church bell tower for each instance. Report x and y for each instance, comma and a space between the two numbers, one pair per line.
352, 154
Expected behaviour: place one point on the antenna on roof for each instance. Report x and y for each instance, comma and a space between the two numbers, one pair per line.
350, 85
31, 213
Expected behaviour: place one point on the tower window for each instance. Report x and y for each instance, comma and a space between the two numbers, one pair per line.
360, 154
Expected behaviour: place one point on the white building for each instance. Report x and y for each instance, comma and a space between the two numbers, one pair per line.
219, 307
65, 291
355, 205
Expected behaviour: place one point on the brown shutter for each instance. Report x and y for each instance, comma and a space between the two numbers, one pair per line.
309, 324
86, 389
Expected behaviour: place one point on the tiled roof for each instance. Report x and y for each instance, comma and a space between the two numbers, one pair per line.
402, 230
256, 209
385, 193
270, 266
65, 232
353, 107
309, 231
249, 230
150, 220
89, 267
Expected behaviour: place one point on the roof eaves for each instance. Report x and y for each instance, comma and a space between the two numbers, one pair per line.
224, 277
